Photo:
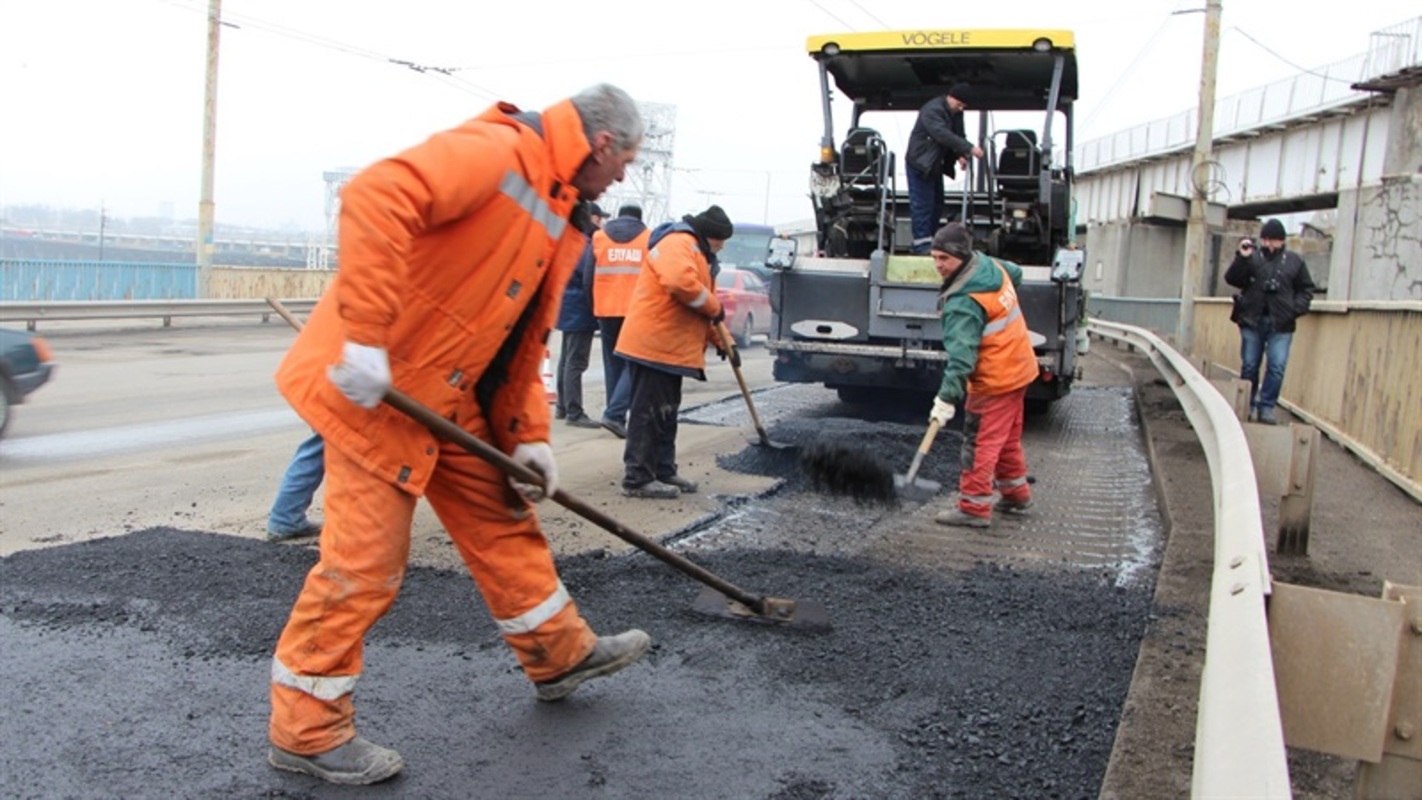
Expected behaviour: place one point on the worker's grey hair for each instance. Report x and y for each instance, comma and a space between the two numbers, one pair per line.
605, 107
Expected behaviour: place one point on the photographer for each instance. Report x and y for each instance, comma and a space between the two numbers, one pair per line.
1275, 289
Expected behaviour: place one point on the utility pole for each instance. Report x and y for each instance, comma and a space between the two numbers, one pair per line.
1196, 229
767, 198
205, 243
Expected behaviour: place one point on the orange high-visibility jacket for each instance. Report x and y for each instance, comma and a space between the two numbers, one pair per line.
1005, 358
453, 255
673, 304
616, 267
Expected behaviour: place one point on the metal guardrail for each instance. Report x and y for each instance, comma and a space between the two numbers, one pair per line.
1239, 735
1152, 313
33, 313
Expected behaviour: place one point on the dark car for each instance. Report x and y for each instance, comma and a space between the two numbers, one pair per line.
747, 302
747, 249
26, 362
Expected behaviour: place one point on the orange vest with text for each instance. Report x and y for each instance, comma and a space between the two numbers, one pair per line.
1006, 362
616, 266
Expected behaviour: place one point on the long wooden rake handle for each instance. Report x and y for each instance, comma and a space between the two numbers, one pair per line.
447, 430
729, 345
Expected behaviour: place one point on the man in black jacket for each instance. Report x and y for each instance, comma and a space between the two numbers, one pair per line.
1275, 289
937, 144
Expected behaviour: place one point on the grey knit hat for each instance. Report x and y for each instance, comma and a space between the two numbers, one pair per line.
954, 240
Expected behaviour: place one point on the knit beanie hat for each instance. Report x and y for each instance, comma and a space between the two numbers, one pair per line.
711, 223
954, 240
1273, 229
630, 211
960, 91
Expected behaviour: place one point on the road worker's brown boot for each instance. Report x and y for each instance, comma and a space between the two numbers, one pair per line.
611, 654
357, 762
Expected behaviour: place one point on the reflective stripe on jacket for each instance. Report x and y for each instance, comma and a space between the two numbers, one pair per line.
673, 304
616, 267
453, 255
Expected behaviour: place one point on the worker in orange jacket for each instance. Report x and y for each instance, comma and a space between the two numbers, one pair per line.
991, 363
619, 253
454, 254
664, 339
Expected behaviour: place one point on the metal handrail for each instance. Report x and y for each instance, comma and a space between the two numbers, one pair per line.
31, 313
1239, 735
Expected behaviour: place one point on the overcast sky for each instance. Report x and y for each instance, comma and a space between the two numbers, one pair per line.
102, 100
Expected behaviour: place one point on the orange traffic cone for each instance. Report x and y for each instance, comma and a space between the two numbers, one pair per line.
550, 386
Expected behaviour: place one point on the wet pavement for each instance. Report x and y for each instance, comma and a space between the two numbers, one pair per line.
959, 664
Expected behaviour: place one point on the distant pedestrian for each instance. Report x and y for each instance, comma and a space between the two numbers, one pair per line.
991, 364
287, 520
577, 324
619, 254
664, 339
1275, 289
937, 145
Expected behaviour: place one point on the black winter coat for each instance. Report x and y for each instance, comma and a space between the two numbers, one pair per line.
1280, 283
938, 140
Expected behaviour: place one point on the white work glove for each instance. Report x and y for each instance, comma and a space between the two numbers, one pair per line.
537, 456
942, 412
363, 374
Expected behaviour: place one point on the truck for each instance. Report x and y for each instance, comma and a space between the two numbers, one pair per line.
860, 314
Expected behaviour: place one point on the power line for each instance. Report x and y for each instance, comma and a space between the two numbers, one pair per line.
1266, 49
443, 74
1128, 72
832, 16
620, 56
867, 13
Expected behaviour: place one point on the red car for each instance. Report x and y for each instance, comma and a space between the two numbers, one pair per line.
747, 302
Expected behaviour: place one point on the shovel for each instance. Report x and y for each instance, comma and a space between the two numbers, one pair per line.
729, 346
720, 597
909, 485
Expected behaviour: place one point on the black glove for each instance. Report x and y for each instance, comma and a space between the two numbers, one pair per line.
735, 356
720, 316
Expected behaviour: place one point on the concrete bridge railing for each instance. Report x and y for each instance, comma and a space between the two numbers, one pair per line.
1353, 370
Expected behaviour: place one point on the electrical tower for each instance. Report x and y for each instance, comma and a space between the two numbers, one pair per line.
318, 253
648, 182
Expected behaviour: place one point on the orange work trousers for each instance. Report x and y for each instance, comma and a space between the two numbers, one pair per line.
365, 544
992, 452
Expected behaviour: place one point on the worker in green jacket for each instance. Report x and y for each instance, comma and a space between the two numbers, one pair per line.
990, 365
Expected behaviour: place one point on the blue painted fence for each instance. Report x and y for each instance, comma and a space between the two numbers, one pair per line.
35, 280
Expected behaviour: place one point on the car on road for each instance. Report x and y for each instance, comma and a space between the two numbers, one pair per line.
26, 363
747, 302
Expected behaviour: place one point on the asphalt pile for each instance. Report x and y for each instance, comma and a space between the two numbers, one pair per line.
147, 654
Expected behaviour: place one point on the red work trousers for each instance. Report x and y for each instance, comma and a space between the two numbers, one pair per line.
365, 544
992, 452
